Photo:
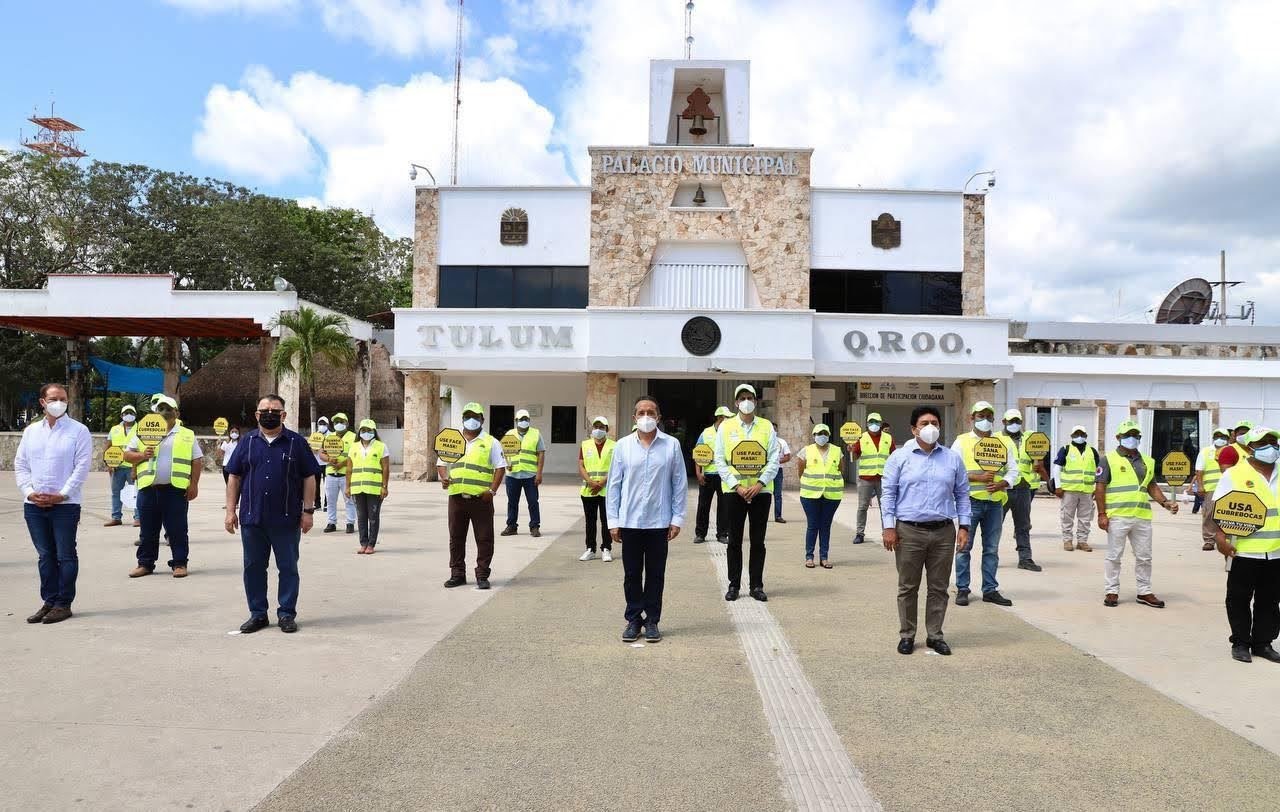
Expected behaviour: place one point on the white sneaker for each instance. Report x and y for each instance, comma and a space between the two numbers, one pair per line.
588, 555
605, 555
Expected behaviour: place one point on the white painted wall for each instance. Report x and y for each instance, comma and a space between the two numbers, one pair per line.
531, 392
559, 225
932, 230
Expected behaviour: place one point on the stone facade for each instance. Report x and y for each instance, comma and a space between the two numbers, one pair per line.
1122, 349
602, 399
426, 244
791, 419
631, 213
421, 424
973, 280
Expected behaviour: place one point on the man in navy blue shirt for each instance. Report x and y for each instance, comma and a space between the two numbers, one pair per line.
278, 472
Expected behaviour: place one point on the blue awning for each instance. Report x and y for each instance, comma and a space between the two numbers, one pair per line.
134, 380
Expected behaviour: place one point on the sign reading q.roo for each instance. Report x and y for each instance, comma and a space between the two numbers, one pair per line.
891, 341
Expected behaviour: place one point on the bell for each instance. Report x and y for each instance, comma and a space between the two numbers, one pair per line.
699, 196
699, 126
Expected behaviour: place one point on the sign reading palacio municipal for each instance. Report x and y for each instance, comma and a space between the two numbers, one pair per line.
669, 163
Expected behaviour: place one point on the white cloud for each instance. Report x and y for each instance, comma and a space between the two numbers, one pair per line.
403, 27
366, 138
240, 134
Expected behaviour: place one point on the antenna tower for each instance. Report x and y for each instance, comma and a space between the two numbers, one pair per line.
54, 137
457, 93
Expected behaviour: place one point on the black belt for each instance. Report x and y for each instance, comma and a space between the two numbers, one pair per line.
934, 525
336, 474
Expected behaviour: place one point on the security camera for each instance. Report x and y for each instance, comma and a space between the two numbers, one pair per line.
991, 182
413, 173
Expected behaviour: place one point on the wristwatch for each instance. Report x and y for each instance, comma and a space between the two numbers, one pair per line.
308, 510
493, 492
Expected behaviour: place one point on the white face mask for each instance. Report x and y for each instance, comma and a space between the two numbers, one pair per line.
1267, 454
522, 423
471, 424
929, 433
339, 426
982, 425
323, 429
1130, 442
128, 417
1219, 442
235, 435
1014, 428
747, 406
821, 439
598, 434
646, 424
1079, 440
873, 427
366, 436
55, 408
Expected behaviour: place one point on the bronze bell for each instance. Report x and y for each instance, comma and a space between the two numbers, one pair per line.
699, 196
699, 126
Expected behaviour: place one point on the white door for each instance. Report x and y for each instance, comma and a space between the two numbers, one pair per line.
1069, 416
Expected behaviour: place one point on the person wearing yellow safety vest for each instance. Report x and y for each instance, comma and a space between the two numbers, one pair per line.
1208, 474
1238, 439
1126, 478
335, 476
472, 482
1254, 575
986, 505
525, 475
748, 492
1030, 473
709, 486
821, 471
119, 438
168, 478
871, 452
368, 474
1075, 471
594, 458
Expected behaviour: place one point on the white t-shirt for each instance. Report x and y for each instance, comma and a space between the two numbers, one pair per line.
227, 447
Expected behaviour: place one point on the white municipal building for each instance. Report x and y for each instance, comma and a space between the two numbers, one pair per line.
698, 260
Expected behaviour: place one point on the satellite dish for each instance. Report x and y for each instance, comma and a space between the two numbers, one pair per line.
1187, 303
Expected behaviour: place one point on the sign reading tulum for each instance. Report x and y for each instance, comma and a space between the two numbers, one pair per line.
667, 163
489, 337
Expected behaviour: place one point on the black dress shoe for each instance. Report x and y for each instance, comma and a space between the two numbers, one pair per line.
57, 614
632, 632
351, 528
699, 539
535, 532
1030, 565
482, 583
456, 580
858, 539
758, 594
1267, 653
939, 646
780, 520
962, 598
254, 624
39, 615
651, 633
995, 597
287, 625
906, 645
330, 528
1241, 653
731, 594
722, 539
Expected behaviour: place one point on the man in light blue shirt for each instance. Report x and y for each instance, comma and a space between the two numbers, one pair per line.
924, 495
646, 499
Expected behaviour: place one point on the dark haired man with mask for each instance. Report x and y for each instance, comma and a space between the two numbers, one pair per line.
272, 479
1074, 471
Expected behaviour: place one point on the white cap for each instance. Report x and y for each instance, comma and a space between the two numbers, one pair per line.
600, 419
522, 413
1080, 429
1013, 414
744, 387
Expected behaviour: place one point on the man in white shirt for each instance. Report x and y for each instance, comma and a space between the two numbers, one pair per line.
646, 498
51, 467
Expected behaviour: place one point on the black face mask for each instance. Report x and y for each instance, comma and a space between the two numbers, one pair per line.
269, 421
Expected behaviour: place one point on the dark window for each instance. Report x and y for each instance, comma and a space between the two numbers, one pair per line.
538, 286
1174, 430
502, 419
899, 292
564, 424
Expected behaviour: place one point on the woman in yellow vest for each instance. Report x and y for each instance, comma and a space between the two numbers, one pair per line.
1254, 576
821, 471
368, 472
594, 459
1208, 473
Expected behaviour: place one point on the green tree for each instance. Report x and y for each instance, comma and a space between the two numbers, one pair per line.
313, 336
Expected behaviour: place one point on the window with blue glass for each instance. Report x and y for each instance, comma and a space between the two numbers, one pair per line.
907, 293
540, 286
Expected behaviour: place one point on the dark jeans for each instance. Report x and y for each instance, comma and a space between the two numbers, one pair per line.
593, 506
368, 517
1199, 503
777, 495
1256, 580
1019, 505
644, 573
259, 543
514, 488
819, 513
53, 532
162, 505
706, 495
737, 512
476, 513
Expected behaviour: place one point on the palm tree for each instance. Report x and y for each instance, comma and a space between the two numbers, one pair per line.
312, 336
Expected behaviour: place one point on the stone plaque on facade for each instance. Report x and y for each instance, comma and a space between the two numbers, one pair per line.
886, 232
514, 228
700, 336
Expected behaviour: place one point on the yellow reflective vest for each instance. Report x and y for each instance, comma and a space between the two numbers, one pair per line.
597, 463
366, 467
1080, 472
1126, 496
708, 438
183, 449
473, 475
1208, 463
871, 459
1266, 539
526, 459
731, 434
339, 464
1026, 466
821, 478
978, 490
119, 436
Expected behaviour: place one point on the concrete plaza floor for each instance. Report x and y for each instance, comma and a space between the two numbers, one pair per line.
399, 694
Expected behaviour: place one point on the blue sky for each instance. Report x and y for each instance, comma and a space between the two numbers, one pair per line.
1132, 141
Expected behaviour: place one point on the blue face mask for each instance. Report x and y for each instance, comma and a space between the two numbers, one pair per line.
1267, 454
471, 424
873, 427
1079, 440
821, 439
1130, 443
